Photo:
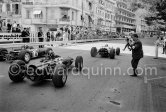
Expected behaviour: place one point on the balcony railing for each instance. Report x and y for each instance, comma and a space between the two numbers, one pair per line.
64, 19
27, 3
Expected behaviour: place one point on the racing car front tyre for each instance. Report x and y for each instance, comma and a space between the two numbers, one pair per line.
25, 56
3, 52
118, 51
112, 53
93, 51
16, 71
79, 63
60, 76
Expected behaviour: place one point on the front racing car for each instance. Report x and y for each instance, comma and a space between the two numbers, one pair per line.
52, 67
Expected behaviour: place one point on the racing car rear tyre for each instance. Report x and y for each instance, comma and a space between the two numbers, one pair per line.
60, 76
118, 51
16, 71
93, 51
79, 63
112, 53
3, 51
25, 56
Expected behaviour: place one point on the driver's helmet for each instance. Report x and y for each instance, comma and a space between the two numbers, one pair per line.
51, 55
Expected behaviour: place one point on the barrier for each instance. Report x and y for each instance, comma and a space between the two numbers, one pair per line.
10, 37
12, 45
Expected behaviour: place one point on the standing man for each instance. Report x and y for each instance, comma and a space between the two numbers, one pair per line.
157, 43
137, 53
24, 35
48, 36
40, 35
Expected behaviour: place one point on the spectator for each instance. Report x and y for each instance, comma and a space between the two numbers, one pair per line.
14, 26
164, 45
40, 35
48, 36
157, 43
52, 36
55, 34
65, 35
24, 35
18, 29
9, 26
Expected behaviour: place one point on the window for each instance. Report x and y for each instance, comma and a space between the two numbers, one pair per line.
64, 14
8, 7
16, 8
72, 15
38, 14
0, 8
28, 14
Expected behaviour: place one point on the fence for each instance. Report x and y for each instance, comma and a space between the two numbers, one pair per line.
81, 38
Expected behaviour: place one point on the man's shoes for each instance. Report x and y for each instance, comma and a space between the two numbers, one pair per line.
134, 75
155, 58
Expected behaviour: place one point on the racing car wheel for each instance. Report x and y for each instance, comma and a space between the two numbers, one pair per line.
112, 53
93, 51
118, 51
60, 76
25, 56
17, 71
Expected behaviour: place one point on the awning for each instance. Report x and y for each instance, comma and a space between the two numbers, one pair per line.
37, 12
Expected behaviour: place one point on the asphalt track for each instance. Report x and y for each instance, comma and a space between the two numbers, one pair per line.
93, 90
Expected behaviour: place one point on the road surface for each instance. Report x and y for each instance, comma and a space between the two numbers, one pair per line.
93, 90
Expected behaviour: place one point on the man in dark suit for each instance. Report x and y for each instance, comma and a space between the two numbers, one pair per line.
137, 53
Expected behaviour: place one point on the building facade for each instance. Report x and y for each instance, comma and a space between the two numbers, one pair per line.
50, 14
58, 13
125, 18
104, 14
10, 12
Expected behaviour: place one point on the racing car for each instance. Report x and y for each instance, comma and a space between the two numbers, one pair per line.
25, 53
105, 51
54, 67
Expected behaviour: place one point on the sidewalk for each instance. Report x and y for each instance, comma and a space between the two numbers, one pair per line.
157, 90
157, 87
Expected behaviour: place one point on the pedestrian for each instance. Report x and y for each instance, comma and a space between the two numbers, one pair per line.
24, 35
65, 36
157, 43
40, 35
137, 53
18, 28
48, 36
164, 44
9, 26
52, 36
14, 26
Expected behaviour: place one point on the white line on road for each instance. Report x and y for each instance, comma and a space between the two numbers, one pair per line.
156, 78
2, 76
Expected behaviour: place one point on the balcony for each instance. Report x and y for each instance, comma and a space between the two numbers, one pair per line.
27, 3
120, 14
38, 21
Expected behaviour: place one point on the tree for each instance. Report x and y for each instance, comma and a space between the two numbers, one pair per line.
156, 16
